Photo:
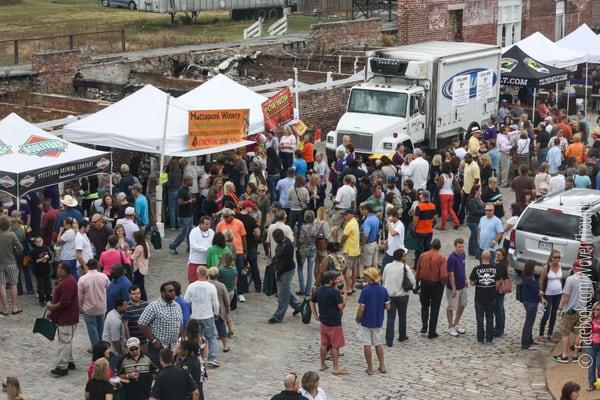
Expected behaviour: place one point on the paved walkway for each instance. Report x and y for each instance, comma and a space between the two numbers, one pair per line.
261, 354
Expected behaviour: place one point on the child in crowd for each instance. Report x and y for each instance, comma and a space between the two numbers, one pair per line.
40, 256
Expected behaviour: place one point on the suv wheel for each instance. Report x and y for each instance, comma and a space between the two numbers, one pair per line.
132, 5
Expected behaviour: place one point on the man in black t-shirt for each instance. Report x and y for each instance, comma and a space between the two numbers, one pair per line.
185, 213
329, 311
252, 236
173, 383
484, 278
541, 143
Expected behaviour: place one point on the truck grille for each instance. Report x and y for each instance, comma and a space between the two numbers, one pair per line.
362, 142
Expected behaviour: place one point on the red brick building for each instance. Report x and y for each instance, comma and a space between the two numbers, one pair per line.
501, 22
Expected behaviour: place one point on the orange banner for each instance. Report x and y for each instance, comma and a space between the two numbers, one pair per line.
279, 109
211, 128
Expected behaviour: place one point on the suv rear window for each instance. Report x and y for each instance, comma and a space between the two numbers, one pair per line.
555, 224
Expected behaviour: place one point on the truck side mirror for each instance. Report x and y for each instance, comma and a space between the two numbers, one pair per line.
422, 105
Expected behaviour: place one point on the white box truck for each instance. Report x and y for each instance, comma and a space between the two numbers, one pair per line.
420, 95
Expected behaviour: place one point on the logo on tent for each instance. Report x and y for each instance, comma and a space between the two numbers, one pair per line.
43, 147
508, 64
536, 66
7, 182
102, 163
4, 148
27, 181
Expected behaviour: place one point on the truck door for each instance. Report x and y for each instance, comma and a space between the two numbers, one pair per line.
416, 118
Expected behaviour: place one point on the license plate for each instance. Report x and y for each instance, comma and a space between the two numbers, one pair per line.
545, 245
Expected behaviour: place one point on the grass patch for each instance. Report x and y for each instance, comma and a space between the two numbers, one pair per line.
143, 30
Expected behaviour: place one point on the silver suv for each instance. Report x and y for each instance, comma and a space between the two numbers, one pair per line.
556, 222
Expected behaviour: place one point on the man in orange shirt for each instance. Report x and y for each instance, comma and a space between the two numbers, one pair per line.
423, 222
308, 152
236, 227
566, 127
432, 274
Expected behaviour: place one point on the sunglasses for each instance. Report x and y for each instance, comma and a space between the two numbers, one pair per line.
134, 348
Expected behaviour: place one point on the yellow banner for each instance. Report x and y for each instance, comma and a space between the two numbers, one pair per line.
211, 128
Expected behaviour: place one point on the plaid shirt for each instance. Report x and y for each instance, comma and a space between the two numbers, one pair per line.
164, 320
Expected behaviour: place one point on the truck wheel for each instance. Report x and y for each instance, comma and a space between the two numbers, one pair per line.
275, 13
262, 13
236, 15
132, 5
105, 3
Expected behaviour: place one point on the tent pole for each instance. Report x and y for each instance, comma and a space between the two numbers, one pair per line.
296, 90
568, 95
534, 109
159, 187
110, 182
585, 90
556, 95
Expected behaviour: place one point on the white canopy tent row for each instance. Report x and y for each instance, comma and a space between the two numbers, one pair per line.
31, 158
583, 39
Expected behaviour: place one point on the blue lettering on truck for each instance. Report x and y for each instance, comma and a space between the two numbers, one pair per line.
447, 88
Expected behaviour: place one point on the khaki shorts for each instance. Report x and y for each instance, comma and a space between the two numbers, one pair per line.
368, 254
459, 300
569, 323
351, 263
370, 336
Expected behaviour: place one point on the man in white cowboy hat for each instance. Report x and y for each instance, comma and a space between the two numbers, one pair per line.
473, 148
69, 204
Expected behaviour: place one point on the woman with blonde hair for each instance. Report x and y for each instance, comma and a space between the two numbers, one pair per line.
16, 225
98, 388
542, 180
12, 388
576, 149
230, 198
486, 171
66, 238
325, 234
313, 190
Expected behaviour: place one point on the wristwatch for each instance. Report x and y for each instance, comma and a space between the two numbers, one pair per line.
154, 341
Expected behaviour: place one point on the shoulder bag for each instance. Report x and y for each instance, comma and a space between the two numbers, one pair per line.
406, 283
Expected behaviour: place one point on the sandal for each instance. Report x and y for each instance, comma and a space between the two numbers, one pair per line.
19, 311
4, 314
369, 371
323, 367
226, 350
382, 371
339, 372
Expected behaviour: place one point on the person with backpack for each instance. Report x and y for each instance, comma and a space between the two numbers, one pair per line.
397, 278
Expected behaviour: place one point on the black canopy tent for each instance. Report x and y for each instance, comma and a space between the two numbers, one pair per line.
519, 69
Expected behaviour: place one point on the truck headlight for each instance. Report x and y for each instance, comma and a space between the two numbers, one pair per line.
329, 139
387, 146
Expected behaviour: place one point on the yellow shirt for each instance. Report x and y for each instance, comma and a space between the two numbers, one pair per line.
471, 173
473, 148
352, 243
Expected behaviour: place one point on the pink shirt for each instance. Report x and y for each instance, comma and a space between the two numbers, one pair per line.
91, 289
595, 336
112, 257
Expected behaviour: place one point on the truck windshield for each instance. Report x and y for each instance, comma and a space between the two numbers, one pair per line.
377, 102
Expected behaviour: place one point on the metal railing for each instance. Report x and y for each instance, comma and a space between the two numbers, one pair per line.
26, 46
254, 30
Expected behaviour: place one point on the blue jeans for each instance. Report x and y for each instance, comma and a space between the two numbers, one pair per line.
499, 316
185, 224
95, 326
252, 253
172, 205
242, 283
473, 245
208, 329
541, 156
594, 352
271, 184
310, 264
527, 334
485, 311
26, 272
285, 296
550, 312
398, 305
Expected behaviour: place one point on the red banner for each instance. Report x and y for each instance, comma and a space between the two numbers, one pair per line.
279, 109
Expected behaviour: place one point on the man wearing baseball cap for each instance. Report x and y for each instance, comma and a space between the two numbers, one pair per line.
128, 223
136, 369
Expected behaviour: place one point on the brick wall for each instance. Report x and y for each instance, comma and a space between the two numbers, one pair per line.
323, 108
327, 37
424, 20
55, 70
540, 15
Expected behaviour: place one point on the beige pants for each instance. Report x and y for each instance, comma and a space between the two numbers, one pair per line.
64, 354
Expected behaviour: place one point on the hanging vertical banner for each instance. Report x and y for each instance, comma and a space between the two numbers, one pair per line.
485, 83
279, 109
461, 85
210, 128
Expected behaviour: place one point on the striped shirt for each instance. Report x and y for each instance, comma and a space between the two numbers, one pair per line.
132, 315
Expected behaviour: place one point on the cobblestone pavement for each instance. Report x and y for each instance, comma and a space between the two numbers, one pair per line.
261, 354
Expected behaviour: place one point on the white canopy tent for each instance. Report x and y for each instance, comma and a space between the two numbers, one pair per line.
149, 121
31, 158
543, 49
583, 39
224, 93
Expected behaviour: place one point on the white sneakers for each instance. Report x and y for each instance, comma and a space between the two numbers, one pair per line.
241, 298
456, 330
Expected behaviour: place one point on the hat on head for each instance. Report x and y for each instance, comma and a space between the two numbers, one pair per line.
474, 129
247, 204
133, 342
426, 195
69, 201
504, 101
391, 178
348, 211
129, 211
372, 274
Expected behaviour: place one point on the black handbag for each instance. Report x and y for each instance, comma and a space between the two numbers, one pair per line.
305, 311
406, 283
45, 327
234, 300
155, 238
270, 281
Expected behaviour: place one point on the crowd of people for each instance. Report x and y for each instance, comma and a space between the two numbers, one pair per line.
326, 222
